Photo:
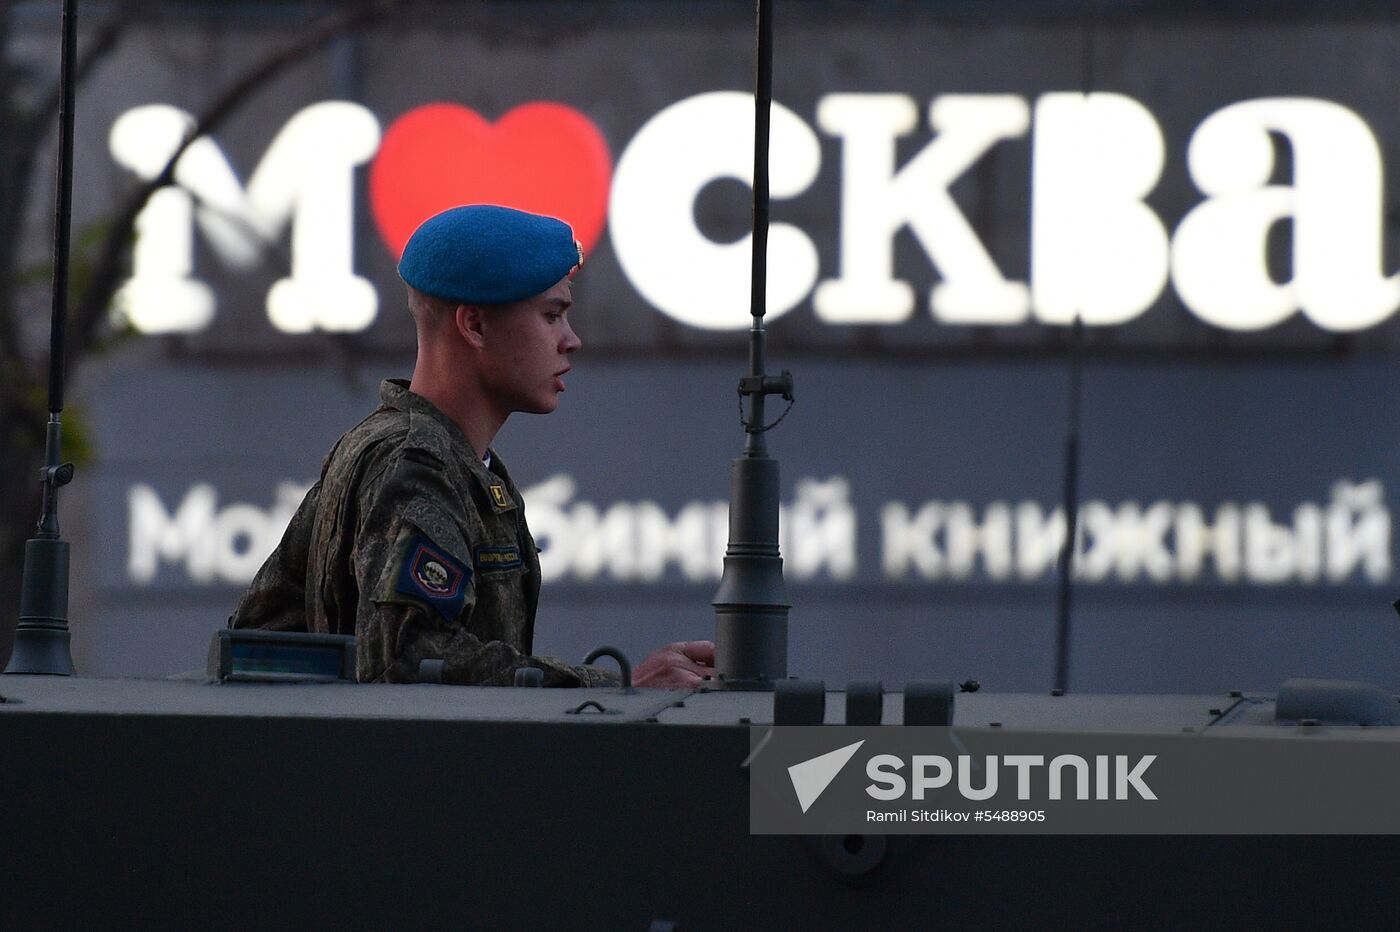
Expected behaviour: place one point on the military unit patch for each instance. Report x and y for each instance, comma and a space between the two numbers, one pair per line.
429, 573
496, 559
498, 495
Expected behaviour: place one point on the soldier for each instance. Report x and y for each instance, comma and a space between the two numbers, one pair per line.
414, 538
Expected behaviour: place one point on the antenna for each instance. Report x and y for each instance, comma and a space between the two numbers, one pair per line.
1071, 507
751, 606
42, 638
1076, 364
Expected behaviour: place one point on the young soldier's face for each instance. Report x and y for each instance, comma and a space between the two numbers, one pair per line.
528, 344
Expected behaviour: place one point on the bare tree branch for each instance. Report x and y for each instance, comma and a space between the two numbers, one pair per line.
92, 306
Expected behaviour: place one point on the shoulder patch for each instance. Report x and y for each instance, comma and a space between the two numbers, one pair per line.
430, 574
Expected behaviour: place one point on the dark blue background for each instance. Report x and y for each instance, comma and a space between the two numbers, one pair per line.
666, 431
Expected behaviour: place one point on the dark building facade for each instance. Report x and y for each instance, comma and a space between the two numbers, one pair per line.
947, 199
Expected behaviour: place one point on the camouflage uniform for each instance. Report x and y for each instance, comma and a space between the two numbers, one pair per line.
406, 515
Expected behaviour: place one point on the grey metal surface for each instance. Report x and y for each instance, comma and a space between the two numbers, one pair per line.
705, 707
91, 696
1010, 710
348, 806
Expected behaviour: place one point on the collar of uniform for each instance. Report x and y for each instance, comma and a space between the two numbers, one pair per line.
395, 393
494, 481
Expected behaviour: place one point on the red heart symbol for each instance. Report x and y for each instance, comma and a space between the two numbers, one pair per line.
542, 157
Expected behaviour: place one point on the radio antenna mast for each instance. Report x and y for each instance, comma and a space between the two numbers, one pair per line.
1076, 364
42, 637
751, 606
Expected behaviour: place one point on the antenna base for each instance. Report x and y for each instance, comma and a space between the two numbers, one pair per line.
42, 639
751, 606
750, 646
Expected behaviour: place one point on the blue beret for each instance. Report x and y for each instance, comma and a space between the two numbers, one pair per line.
483, 254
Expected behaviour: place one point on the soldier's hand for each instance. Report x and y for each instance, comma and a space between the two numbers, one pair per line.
683, 664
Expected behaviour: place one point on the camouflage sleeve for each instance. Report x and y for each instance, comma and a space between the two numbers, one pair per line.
413, 567
276, 599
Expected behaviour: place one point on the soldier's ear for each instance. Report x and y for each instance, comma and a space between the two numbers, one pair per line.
470, 320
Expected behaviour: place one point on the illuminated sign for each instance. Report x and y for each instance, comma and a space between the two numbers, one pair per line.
541, 157
306, 177
1097, 249
1345, 538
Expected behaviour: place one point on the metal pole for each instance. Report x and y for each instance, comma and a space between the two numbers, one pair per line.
758, 279
42, 637
751, 606
1065, 602
1071, 507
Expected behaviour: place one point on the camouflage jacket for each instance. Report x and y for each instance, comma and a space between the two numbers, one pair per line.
412, 544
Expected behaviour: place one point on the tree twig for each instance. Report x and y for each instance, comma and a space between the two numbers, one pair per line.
107, 272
